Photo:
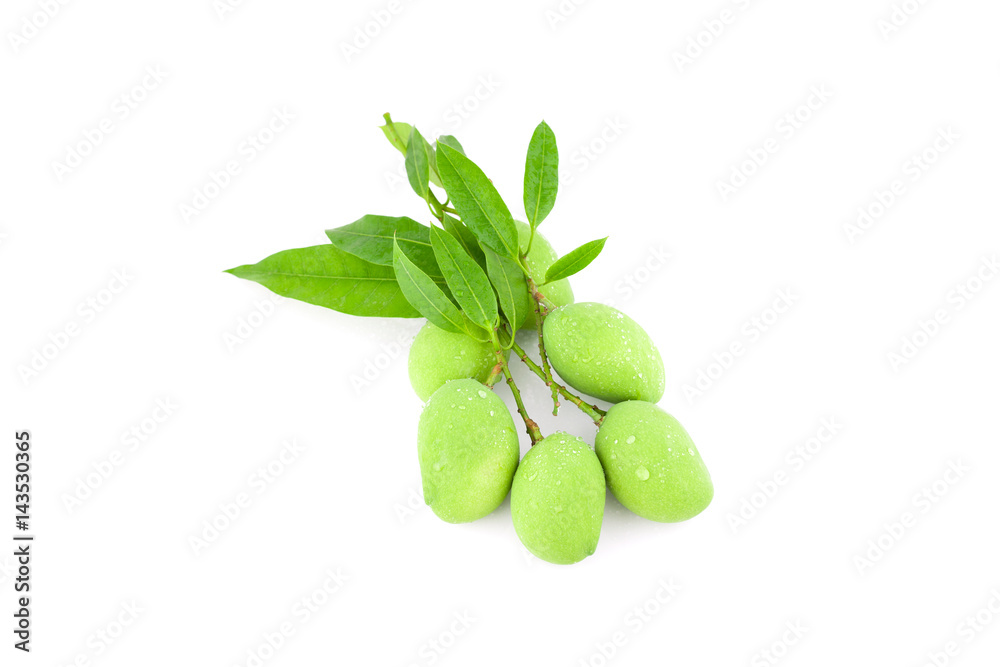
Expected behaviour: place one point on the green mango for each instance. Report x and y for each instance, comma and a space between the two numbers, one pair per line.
557, 500
468, 451
604, 353
651, 464
438, 356
541, 257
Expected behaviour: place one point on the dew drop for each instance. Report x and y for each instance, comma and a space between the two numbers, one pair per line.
642, 473
482, 394
630, 439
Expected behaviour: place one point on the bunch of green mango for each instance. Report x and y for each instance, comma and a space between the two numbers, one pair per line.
480, 277
468, 447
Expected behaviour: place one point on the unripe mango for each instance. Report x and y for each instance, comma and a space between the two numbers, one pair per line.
468, 451
541, 257
651, 464
438, 356
557, 500
604, 353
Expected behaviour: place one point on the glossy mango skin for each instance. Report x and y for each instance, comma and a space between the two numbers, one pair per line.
557, 500
541, 257
468, 451
438, 356
602, 352
651, 464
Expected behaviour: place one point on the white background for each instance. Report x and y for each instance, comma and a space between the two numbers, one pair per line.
676, 131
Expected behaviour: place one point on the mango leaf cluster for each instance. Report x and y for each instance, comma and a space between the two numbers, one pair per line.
465, 271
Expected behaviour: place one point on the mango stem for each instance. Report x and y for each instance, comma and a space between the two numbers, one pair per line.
495, 375
540, 313
529, 424
592, 411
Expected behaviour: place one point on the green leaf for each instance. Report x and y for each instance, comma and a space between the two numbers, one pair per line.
371, 239
541, 175
467, 280
449, 140
477, 201
425, 296
574, 261
418, 168
325, 275
511, 287
464, 235
399, 134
